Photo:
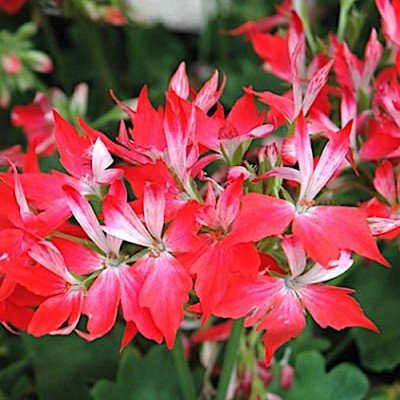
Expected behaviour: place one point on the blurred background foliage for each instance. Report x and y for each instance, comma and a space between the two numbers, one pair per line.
361, 364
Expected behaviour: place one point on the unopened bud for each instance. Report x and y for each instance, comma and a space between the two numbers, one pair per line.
114, 16
40, 62
11, 64
289, 155
287, 374
80, 99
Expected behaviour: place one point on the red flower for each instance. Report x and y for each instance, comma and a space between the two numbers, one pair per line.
11, 6
166, 283
277, 304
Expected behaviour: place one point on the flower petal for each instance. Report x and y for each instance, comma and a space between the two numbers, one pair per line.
86, 217
121, 221
154, 209
319, 273
164, 292
332, 306
284, 321
295, 254
101, 303
331, 158
268, 215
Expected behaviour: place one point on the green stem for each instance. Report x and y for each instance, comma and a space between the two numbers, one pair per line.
340, 348
182, 367
83, 242
137, 256
54, 49
229, 359
303, 13
90, 34
345, 6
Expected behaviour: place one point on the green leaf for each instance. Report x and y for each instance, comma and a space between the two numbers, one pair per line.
377, 291
308, 340
11, 373
142, 378
312, 382
65, 366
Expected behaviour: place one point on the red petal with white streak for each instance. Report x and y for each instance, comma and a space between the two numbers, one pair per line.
332, 306
121, 221
295, 63
229, 203
101, 302
283, 172
131, 284
331, 158
303, 152
384, 226
318, 81
101, 160
86, 217
46, 254
164, 292
209, 94
75, 314
295, 254
319, 273
373, 53
283, 322
179, 82
384, 181
389, 21
154, 208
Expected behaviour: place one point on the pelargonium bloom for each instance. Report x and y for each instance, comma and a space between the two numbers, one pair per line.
276, 303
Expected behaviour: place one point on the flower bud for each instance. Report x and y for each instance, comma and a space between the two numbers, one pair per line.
79, 99
114, 16
11, 64
287, 374
40, 62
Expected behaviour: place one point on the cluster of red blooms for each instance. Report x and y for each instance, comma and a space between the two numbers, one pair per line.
227, 219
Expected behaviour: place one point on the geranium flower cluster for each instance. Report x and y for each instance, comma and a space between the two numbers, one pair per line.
19, 62
196, 211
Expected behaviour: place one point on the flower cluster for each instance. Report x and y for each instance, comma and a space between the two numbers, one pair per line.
19, 62
193, 211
